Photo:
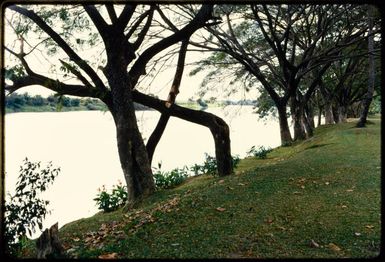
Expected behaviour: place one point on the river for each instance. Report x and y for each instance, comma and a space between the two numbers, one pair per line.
83, 145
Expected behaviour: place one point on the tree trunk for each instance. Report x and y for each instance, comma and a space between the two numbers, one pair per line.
306, 124
284, 125
297, 116
329, 119
219, 129
163, 120
310, 115
319, 117
132, 151
342, 114
369, 94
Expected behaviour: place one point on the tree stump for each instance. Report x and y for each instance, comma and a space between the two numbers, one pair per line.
48, 244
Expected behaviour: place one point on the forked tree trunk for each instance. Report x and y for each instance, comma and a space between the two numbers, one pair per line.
163, 120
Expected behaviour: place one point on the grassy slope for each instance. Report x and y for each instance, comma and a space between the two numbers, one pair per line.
326, 189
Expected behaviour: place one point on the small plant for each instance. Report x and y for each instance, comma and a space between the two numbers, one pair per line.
260, 153
24, 211
169, 179
210, 165
236, 159
111, 201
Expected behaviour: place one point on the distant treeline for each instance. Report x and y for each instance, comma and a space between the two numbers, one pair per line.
27, 103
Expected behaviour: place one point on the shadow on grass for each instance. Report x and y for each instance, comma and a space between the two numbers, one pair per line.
318, 145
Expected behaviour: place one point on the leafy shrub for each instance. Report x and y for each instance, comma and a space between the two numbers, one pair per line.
260, 153
210, 165
169, 179
111, 201
24, 211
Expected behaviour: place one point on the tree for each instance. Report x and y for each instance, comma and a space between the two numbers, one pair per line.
278, 46
128, 48
371, 81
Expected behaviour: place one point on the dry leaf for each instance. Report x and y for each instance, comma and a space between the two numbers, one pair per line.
334, 247
108, 256
231, 188
241, 184
269, 221
220, 209
221, 181
357, 234
349, 190
76, 239
344, 206
314, 244
369, 226
303, 187
327, 183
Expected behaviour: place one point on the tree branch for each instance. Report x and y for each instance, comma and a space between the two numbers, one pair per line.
98, 20
111, 13
199, 21
125, 16
144, 30
66, 48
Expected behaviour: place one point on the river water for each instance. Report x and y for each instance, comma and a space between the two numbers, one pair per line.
83, 145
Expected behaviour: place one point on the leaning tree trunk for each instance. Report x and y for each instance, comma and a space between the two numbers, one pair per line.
369, 94
306, 124
309, 111
219, 129
163, 120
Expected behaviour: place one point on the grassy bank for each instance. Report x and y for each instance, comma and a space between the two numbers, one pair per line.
316, 199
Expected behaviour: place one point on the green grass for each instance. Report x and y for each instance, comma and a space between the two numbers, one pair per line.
326, 190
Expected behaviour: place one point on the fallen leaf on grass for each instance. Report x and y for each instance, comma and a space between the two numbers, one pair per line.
230, 188
76, 239
241, 184
369, 226
108, 256
349, 190
220, 209
221, 181
314, 244
357, 234
327, 183
334, 247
